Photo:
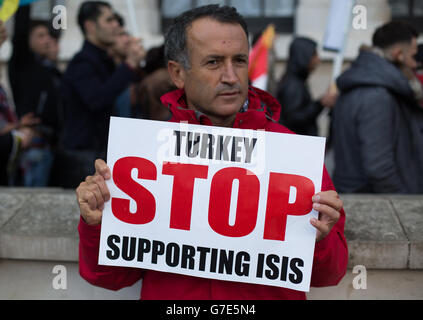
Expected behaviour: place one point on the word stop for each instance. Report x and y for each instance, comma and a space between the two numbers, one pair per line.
278, 205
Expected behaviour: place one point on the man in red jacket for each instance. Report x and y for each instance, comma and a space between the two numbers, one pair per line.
207, 51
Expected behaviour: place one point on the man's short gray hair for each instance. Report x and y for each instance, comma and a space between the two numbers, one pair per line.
176, 36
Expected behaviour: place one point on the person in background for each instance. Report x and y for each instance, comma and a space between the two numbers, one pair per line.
35, 84
91, 84
299, 111
54, 47
15, 135
155, 84
377, 121
418, 72
118, 51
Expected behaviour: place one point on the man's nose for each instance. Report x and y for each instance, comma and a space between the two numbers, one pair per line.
229, 74
115, 24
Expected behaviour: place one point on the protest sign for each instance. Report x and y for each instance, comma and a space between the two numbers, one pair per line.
212, 202
338, 25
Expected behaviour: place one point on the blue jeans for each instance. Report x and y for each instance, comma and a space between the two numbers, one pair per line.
36, 164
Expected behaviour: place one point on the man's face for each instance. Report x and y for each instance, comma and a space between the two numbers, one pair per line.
314, 62
217, 81
409, 52
106, 27
403, 54
39, 40
122, 42
53, 51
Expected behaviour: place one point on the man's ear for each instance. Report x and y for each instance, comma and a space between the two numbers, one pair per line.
396, 54
89, 26
177, 74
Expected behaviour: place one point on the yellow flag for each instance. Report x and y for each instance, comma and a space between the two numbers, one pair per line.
269, 36
8, 8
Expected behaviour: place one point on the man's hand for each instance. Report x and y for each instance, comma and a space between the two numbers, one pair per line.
28, 120
93, 193
136, 53
330, 96
26, 134
329, 206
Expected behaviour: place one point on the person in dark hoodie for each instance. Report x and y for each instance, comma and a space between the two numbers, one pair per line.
299, 112
377, 122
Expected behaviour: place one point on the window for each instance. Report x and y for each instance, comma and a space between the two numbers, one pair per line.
42, 10
257, 13
410, 11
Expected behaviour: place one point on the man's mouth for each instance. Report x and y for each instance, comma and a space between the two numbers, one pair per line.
229, 93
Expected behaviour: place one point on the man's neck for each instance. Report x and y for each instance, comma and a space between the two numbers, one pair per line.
94, 41
227, 122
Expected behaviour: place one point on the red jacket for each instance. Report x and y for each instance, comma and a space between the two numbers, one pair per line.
330, 256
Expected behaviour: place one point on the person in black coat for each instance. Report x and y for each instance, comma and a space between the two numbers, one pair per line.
90, 86
377, 121
298, 110
15, 135
34, 80
35, 84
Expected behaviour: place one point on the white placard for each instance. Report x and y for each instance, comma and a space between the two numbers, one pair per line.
212, 202
338, 24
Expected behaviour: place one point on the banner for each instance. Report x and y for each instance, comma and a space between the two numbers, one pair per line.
7, 9
338, 25
212, 202
26, 2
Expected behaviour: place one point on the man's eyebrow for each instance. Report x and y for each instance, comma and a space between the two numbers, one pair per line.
217, 57
241, 55
213, 56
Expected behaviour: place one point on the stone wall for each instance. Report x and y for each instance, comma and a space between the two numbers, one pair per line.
38, 231
383, 231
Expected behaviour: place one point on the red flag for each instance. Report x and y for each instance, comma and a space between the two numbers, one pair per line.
259, 58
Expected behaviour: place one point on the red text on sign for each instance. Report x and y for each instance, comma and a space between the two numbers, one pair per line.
184, 175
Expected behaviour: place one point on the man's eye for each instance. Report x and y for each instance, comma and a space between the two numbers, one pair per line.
241, 61
212, 62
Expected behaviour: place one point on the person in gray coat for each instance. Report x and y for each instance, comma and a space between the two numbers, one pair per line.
377, 122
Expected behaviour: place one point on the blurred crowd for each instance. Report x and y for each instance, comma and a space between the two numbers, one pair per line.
60, 121
375, 108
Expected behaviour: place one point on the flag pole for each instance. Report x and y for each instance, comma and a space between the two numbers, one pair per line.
132, 18
134, 25
339, 58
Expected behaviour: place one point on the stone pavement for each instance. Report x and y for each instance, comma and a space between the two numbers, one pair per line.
38, 224
34, 280
384, 232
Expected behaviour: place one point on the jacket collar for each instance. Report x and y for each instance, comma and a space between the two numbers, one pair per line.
258, 109
98, 54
